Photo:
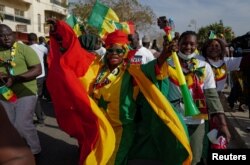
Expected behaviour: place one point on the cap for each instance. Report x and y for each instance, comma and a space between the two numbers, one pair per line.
145, 38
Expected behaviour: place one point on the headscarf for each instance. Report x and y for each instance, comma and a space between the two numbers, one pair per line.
116, 37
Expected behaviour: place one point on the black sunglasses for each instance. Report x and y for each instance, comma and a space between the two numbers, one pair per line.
118, 51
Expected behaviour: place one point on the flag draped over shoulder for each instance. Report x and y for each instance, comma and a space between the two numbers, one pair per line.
73, 23
164, 110
76, 113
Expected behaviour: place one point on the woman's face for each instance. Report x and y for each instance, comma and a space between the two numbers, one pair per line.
213, 50
115, 55
188, 44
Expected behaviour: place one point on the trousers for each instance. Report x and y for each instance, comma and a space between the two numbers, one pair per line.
20, 114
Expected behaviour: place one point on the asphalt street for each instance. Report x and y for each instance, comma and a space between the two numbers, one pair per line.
58, 148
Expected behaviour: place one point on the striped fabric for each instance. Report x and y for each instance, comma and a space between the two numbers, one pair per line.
76, 113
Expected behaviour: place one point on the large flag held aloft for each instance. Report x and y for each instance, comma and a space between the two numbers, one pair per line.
106, 20
76, 113
103, 17
74, 24
127, 27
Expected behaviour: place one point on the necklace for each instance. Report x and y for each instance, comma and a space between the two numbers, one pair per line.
6, 92
12, 55
9, 63
103, 80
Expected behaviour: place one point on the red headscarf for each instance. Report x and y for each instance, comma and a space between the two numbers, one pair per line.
116, 37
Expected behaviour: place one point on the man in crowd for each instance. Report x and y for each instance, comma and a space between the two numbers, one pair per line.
18, 70
41, 51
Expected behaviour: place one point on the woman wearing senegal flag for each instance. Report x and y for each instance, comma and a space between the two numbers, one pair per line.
119, 94
144, 124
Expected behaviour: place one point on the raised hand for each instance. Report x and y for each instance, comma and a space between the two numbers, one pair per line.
52, 23
167, 50
162, 22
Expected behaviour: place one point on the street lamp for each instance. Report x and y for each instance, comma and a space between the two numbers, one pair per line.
193, 23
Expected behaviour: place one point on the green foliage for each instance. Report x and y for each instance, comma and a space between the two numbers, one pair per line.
219, 29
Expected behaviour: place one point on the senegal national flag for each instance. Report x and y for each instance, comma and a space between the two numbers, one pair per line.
103, 18
76, 113
73, 23
127, 27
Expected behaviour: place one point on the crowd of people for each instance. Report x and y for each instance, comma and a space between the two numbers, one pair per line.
135, 86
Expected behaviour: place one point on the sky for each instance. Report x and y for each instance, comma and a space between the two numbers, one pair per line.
233, 13
193, 14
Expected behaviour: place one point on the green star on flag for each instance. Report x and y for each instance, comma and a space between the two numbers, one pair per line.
102, 103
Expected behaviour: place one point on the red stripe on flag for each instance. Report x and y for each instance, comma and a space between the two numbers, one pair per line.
131, 27
70, 98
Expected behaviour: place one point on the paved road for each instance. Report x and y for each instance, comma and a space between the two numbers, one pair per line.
57, 147
60, 149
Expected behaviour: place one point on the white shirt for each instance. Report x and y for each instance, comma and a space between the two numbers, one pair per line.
101, 52
142, 56
232, 64
41, 51
175, 92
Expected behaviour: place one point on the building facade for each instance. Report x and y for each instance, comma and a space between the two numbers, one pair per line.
29, 16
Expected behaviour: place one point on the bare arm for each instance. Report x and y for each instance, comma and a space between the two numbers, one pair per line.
13, 150
31, 74
168, 48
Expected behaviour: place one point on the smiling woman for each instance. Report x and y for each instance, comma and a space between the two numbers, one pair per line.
114, 56
115, 93
115, 51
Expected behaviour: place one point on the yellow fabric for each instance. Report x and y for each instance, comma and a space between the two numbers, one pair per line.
89, 78
188, 77
105, 146
201, 116
162, 108
125, 27
220, 72
109, 21
162, 72
110, 94
77, 30
118, 134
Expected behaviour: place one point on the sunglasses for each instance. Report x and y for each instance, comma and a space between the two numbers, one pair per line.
118, 51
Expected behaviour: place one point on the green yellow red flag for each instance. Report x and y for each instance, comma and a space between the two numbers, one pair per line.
106, 20
76, 113
74, 24
103, 17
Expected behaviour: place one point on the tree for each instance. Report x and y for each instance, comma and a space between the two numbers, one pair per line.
127, 10
219, 29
